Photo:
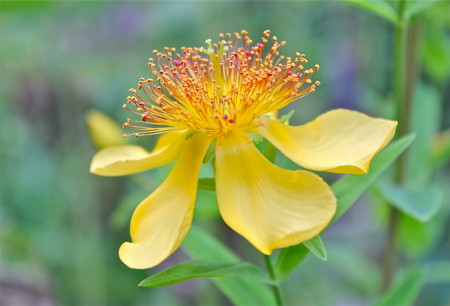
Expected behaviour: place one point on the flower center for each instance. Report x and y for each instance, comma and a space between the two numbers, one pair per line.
217, 89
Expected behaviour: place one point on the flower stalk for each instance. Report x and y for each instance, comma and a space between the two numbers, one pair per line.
402, 97
275, 288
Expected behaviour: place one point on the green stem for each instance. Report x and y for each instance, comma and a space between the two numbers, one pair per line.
275, 288
402, 116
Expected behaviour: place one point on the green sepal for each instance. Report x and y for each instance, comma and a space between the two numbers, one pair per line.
189, 135
210, 154
255, 137
285, 119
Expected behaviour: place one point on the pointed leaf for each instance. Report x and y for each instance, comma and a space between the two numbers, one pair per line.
421, 204
241, 291
405, 291
287, 117
381, 8
288, 259
315, 246
202, 268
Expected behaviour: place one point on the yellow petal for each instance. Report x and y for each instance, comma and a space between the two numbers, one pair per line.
340, 141
162, 220
123, 160
270, 206
104, 132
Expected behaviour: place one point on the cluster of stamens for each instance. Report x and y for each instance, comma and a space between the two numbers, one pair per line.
217, 89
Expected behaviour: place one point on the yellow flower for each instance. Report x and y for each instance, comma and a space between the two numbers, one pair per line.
218, 94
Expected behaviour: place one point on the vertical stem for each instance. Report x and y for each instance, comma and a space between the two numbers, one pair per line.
275, 288
402, 116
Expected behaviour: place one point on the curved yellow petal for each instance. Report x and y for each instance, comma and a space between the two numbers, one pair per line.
340, 140
270, 206
104, 132
124, 160
160, 223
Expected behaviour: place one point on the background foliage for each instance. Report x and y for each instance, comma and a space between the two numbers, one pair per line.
61, 226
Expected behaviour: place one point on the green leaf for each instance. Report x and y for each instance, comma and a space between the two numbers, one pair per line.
379, 7
421, 204
202, 268
426, 104
405, 291
315, 246
348, 189
207, 183
437, 272
414, 8
240, 290
288, 259
287, 117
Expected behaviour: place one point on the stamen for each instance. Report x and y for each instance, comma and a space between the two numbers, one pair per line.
225, 90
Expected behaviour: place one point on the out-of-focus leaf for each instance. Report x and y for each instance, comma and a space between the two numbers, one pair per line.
405, 291
350, 188
241, 291
206, 205
425, 235
414, 8
104, 131
381, 8
315, 246
425, 121
437, 272
347, 191
421, 204
441, 148
435, 47
207, 183
288, 259
202, 268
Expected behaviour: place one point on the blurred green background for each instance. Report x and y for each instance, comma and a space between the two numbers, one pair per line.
61, 226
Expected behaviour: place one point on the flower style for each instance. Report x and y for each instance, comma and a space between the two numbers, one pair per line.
215, 96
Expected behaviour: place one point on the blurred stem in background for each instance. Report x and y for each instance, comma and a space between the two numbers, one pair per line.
406, 46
